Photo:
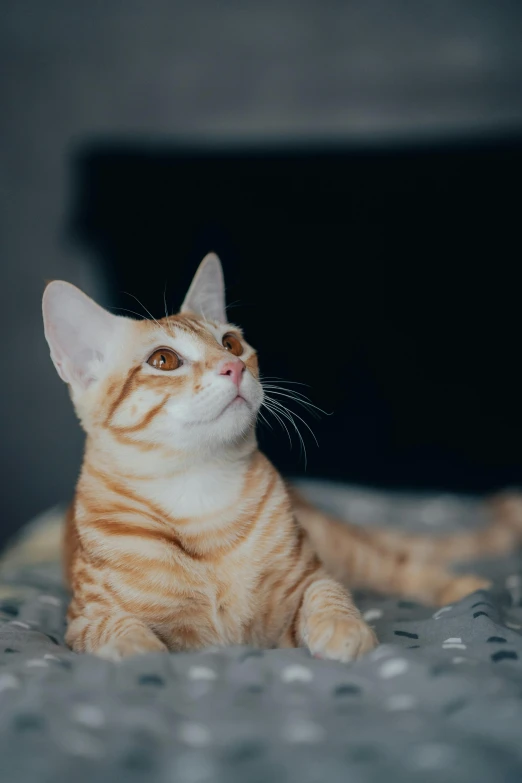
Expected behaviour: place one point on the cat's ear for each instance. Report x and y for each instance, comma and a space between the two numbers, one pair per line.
206, 295
78, 332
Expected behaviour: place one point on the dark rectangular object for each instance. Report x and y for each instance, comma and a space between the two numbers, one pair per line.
386, 279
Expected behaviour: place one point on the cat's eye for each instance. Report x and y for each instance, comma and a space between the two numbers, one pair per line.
232, 344
164, 359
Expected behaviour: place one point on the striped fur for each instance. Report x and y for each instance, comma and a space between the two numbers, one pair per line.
182, 534
405, 564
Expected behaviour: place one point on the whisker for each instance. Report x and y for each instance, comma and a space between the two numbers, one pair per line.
147, 311
284, 389
287, 415
279, 419
282, 380
235, 303
265, 420
292, 392
293, 395
277, 408
280, 407
308, 406
165, 299
166, 310
126, 310
290, 418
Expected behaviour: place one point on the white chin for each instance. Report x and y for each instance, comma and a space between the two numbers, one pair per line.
235, 420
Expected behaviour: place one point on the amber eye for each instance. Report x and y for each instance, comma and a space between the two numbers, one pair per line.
232, 344
164, 359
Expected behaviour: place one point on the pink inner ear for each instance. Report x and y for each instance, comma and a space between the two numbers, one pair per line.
206, 295
77, 330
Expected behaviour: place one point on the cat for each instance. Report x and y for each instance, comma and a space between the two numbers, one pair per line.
182, 534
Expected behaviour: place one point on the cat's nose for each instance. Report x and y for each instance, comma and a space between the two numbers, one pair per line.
234, 370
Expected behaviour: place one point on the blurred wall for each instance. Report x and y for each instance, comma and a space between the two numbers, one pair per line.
72, 71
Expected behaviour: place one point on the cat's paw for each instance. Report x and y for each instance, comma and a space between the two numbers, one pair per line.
460, 587
136, 643
340, 638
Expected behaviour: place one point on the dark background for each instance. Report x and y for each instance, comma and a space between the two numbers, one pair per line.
356, 166
385, 279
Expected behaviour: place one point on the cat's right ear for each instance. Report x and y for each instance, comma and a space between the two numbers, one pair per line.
78, 332
206, 295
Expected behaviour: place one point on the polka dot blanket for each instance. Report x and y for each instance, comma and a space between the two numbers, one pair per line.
439, 700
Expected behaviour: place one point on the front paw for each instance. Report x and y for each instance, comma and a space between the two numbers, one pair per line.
340, 638
130, 644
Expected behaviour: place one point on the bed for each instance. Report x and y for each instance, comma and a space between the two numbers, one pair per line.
439, 699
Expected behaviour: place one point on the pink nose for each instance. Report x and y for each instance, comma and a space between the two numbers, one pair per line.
235, 370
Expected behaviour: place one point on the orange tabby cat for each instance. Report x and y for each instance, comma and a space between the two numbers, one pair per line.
182, 534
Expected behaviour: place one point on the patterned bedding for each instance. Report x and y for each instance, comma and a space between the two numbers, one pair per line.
439, 700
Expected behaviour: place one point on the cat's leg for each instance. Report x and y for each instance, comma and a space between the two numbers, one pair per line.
432, 585
329, 623
111, 636
346, 548
365, 559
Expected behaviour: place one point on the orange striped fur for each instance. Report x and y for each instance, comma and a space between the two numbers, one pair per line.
182, 534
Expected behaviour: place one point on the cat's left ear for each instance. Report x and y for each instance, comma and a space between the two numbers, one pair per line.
206, 295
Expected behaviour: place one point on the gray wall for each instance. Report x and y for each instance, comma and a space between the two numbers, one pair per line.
71, 71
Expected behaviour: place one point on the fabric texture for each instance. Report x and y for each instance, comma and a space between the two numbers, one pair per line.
439, 700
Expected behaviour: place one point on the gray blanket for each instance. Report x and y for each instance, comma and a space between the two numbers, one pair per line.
439, 700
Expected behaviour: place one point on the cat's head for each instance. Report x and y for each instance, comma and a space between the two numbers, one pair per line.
189, 381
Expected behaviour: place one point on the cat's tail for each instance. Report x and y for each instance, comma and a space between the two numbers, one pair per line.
38, 543
409, 564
